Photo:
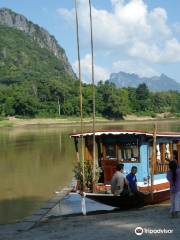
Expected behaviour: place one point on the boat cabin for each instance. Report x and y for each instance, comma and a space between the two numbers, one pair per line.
133, 148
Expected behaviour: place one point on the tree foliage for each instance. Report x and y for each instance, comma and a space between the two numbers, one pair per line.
34, 83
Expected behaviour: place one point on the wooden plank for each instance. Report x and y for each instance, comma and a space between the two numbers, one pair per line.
171, 151
88, 149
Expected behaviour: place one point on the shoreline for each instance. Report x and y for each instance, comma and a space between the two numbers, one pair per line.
131, 119
110, 225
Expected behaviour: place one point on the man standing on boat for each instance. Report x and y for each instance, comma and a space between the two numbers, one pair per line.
132, 180
119, 181
136, 196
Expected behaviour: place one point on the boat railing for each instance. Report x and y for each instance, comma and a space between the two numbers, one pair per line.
162, 167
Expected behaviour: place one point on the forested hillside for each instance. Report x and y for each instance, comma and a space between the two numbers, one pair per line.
34, 82
32, 79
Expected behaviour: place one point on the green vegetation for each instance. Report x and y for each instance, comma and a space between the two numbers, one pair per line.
34, 83
113, 102
88, 174
32, 80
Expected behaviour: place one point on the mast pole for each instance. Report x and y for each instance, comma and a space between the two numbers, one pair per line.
80, 90
153, 160
93, 90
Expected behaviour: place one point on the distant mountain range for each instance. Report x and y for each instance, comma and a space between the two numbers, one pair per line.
155, 84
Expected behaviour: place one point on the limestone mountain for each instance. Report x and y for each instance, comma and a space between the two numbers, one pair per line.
155, 84
38, 34
36, 78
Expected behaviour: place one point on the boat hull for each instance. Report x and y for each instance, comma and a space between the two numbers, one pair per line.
127, 202
157, 197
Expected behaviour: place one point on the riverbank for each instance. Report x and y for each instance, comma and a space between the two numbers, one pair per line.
17, 122
106, 226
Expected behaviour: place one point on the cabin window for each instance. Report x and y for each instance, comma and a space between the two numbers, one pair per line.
122, 153
128, 153
111, 152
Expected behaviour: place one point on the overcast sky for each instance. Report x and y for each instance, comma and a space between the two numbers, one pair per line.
134, 36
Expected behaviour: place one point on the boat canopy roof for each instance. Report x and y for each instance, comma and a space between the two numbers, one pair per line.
127, 132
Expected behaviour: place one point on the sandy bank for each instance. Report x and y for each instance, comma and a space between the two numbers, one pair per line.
16, 122
113, 225
129, 119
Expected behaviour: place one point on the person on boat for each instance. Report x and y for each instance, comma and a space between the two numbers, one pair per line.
119, 183
175, 155
173, 176
132, 180
137, 197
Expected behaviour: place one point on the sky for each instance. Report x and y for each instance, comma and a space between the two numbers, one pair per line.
134, 36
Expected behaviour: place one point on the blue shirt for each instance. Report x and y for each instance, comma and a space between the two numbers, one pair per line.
132, 182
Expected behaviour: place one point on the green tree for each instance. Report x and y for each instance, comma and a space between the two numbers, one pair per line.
143, 98
9, 106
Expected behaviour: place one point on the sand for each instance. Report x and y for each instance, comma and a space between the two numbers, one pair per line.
75, 121
106, 226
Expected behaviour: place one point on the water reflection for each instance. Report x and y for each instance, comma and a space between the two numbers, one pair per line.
12, 209
34, 162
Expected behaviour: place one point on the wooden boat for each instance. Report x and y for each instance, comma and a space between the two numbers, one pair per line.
132, 148
127, 202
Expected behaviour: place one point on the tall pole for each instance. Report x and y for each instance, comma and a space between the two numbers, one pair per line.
59, 107
80, 90
93, 90
153, 161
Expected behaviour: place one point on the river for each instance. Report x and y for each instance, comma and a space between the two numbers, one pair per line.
37, 161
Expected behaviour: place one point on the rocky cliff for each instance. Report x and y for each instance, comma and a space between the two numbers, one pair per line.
38, 34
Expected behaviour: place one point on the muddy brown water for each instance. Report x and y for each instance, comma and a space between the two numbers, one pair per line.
37, 161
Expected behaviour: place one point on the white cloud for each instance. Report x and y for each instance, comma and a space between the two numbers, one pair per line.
158, 21
99, 72
145, 51
130, 25
68, 15
131, 66
151, 53
172, 51
176, 27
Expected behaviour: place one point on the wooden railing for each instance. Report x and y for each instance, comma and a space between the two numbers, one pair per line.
162, 167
